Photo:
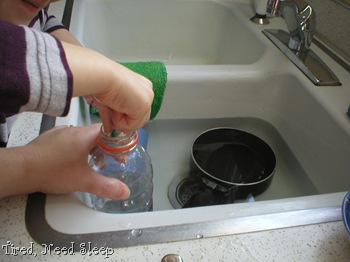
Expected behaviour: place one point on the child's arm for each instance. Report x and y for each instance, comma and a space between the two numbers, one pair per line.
39, 73
64, 35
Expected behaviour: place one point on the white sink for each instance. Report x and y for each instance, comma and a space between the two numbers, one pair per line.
176, 32
311, 146
265, 94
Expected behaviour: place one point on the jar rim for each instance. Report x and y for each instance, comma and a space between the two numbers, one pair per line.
119, 149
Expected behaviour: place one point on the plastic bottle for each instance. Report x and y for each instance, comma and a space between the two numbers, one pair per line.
120, 156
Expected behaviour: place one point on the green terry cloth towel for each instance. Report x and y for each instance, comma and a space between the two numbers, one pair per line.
156, 72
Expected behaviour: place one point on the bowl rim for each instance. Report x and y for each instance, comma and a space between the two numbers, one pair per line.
346, 211
241, 132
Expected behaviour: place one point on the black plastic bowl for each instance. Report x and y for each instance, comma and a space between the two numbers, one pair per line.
233, 158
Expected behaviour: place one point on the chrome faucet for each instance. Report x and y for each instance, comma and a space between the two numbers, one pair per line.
300, 19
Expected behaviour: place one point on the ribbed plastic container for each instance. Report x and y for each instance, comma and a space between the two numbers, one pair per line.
123, 158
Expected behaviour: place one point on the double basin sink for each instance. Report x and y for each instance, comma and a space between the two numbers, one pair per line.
222, 72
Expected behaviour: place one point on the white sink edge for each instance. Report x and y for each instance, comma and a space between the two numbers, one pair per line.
56, 213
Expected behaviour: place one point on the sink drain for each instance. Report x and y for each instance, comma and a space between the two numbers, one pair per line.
181, 190
186, 189
192, 188
192, 191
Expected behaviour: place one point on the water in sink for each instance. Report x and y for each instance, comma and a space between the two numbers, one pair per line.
170, 144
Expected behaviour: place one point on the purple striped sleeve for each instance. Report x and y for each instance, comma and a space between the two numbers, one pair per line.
14, 81
49, 76
34, 73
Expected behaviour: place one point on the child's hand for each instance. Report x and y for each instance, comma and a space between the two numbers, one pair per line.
123, 97
126, 106
58, 161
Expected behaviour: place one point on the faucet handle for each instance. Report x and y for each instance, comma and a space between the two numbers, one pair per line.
300, 19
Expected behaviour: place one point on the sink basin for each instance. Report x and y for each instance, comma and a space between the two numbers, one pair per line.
263, 93
176, 32
304, 137
311, 146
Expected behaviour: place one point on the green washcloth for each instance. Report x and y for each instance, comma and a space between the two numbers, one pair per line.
156, 73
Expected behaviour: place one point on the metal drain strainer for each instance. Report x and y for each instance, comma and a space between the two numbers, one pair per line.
181, 190
186, 189
193, 191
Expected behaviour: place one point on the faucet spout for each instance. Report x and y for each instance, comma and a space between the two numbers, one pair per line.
300, 19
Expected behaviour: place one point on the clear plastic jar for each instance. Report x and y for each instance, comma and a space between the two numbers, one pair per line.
123, 158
